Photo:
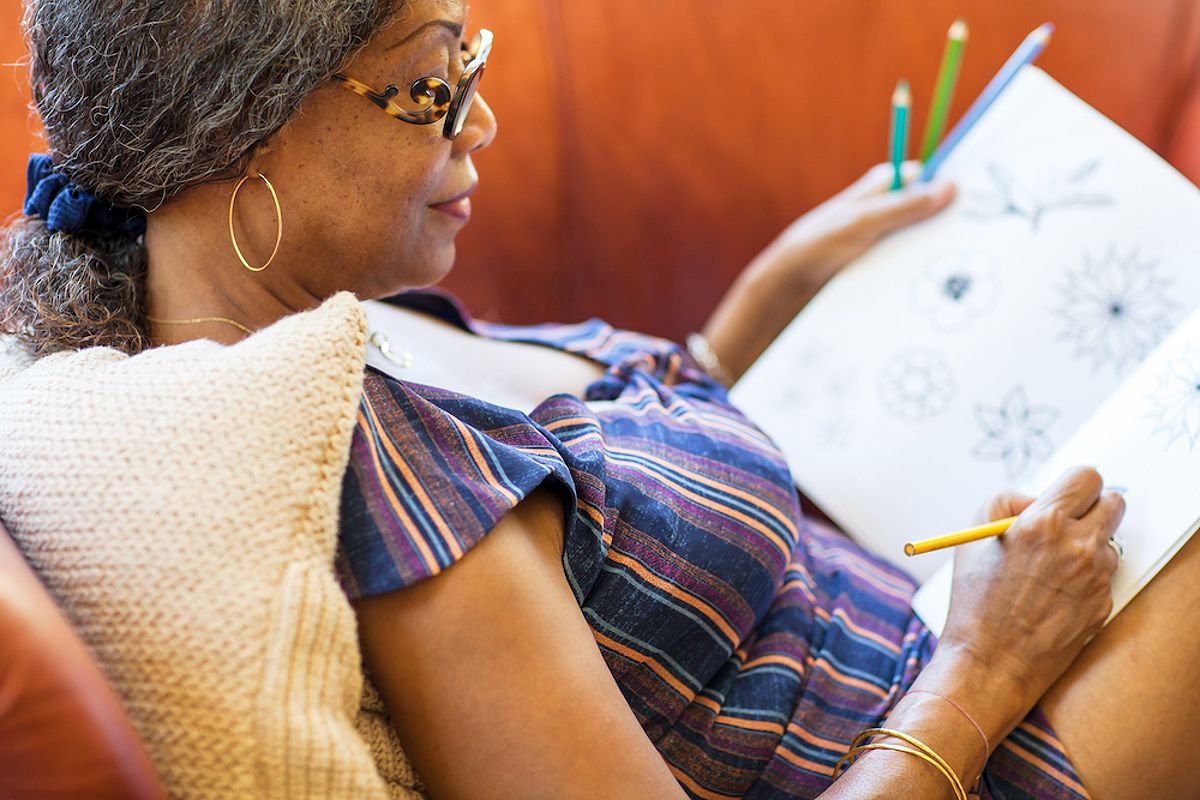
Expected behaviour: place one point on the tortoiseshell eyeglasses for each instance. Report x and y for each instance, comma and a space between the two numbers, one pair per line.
432, 95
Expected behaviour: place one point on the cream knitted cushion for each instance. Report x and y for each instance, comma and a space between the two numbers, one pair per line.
182, 506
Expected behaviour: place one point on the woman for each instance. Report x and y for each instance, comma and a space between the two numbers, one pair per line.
519, 495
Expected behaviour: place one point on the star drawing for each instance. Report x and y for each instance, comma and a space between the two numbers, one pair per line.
1014, 432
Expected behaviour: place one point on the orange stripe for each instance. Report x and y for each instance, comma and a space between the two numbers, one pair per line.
592, 512
786, 661
866, 634
1038, 733
566, 421
751, 724
418, 489
694, 787
813, 739
583, 437
774, 538
393, 501
796, 583
723, 487
641, 658
1053, 772
707, 702
801, 761
846, 680
676, 592
481, 462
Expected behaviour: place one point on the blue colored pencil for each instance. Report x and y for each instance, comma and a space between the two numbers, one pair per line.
898, 144
1029, 50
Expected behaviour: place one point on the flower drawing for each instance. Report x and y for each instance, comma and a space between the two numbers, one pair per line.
817, 392
955, 289
1014, 432
1115, 309
917, 385
1174, 405
1037, 192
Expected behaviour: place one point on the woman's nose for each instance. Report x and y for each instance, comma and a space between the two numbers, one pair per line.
479, 129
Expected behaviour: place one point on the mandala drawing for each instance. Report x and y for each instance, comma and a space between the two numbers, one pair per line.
955, 289
917, 386
1036, 193
1014, 432
1115, 309
1174, 405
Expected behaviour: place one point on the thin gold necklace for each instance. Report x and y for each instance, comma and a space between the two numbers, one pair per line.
377, 339
239, 325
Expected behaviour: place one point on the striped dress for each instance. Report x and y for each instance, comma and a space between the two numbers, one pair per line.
751, 642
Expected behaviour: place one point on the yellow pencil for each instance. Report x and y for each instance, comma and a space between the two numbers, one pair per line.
960, 537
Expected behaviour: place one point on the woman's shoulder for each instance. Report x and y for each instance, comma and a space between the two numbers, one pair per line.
430, 473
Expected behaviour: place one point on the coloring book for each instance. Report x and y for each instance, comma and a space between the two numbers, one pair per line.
1044, 320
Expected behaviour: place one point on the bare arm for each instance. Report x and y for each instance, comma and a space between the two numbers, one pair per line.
497, 688
494, 682
778, 283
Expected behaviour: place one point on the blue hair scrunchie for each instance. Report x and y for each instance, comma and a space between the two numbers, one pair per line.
69, 209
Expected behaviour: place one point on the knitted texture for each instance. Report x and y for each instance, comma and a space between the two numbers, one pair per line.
181, 505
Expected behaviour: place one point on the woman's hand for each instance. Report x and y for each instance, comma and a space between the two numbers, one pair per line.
816, 246
783, 278
1026, 603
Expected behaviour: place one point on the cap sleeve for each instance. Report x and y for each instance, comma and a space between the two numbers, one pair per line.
424, 484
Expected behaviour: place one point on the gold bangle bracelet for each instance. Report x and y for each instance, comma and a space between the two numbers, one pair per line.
904, 737
929, 753
955, 784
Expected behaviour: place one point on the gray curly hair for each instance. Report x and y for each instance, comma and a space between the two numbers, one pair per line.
142, 99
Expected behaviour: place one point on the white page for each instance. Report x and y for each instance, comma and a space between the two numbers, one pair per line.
902, 409
1145, 440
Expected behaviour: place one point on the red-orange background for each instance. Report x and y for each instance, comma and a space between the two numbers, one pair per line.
648, 148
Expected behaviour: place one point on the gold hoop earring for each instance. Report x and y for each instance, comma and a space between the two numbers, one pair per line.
278, 223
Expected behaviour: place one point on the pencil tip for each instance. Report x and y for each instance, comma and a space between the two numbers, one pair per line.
959, 30
1044, 32
903, 94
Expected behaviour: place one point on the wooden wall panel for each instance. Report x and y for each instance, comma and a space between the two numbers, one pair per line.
649, 148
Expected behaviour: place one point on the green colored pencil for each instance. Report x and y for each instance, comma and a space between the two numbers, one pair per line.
943, 94
901, 104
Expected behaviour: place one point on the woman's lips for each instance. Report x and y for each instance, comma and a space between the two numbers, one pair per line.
458, 206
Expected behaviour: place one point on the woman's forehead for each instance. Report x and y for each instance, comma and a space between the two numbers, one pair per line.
415, 17
418, 12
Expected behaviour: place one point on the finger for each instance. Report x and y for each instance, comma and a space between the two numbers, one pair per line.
1007, 504
878, 179
1105, 516
1075, 491
889, 211
874, 181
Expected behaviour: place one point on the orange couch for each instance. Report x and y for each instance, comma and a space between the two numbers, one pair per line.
63, 733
